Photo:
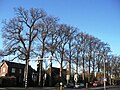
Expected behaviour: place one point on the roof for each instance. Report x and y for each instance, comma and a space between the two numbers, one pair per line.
56, 70
16, 65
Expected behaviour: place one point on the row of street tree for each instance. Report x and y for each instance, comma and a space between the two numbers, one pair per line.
32, 32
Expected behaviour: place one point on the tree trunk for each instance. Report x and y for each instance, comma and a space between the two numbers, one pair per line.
50, 74
40, 75
61, 79
40, 82
83, 69
70, 60
26, 74
89, 69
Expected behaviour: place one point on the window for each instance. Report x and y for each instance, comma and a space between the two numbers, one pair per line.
13, 70
4, 69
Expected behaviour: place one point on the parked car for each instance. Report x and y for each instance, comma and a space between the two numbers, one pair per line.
79, 85
69, 85
96, 83
118, 82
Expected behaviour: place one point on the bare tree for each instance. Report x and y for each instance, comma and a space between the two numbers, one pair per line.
81, 39
19, 33
70, 52
115, 66
52, 41
63, 40
32, 32
47, 41
46, 25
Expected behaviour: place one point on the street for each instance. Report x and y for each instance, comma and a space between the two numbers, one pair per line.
98, 88
39, 88
76, 89
57, 88
113, 89
107, 88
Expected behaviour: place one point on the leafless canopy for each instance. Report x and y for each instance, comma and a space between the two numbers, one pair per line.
19, 33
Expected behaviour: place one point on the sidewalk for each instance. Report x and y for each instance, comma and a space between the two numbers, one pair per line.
39, 88
53, 88
101, 88
29, 88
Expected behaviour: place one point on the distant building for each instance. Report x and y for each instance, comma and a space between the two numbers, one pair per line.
8, 68
55, 76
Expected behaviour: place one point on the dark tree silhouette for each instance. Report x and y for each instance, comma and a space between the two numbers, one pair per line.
19, 33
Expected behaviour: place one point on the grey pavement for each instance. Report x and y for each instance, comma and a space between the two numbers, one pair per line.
57, 88
39, 88
29, 88
107, 88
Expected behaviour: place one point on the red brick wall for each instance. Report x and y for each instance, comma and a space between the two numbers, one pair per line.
4, 69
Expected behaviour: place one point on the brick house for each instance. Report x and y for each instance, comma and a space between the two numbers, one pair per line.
8, 68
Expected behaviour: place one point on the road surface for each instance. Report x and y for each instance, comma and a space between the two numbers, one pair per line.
107, 88
57, 88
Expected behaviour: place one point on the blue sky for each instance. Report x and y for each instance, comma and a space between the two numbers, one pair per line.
100, 18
